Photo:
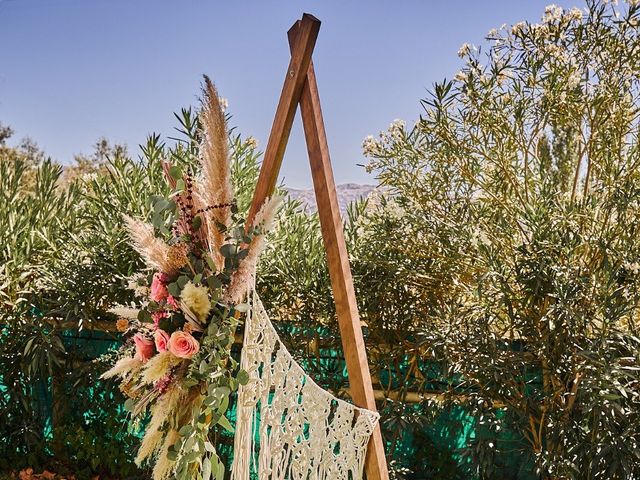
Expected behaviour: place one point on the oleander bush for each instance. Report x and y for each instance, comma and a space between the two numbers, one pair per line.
516, 198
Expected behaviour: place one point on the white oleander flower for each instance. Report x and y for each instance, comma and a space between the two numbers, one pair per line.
575, 14
370, 146
464, 50
552, 13
396, 128
251, 142
461, 76
518, 27
574, 79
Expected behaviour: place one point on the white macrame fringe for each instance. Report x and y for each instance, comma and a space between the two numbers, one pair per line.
305, 433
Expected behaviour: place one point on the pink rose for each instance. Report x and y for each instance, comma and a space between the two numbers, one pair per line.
161, 339
172, 302
159, 315
183, 345
159, 290
144, 347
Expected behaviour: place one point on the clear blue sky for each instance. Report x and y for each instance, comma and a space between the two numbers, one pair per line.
72, 71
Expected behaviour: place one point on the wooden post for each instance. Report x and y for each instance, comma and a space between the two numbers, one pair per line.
286, 110
300, 87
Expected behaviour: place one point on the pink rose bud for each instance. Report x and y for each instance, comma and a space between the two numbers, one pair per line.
159, 315
172, 302
159, 290
161, 339
183, 345
144, 347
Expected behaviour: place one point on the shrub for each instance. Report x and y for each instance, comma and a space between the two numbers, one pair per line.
516, 200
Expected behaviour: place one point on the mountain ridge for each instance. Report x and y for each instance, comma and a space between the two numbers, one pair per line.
347, 193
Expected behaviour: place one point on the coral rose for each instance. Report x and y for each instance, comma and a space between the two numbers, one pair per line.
161, 339
183, 345
159, 290
144, 347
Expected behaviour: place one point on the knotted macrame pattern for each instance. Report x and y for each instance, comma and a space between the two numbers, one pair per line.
301, 431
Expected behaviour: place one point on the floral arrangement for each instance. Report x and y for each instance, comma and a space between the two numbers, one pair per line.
176, 363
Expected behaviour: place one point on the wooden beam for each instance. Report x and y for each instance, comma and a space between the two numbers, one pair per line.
338, 259
285, 112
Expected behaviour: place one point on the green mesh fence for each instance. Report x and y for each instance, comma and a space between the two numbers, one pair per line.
439, 449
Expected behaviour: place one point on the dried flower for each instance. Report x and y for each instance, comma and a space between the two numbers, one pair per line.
157, 367
243, 277
177, 255
125, 312
122, 324
216, 174
196, 298
123, 367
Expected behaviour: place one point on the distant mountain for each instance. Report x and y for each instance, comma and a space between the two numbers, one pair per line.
347, 193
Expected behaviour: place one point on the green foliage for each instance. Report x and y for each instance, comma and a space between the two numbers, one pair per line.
515, 197
65, 261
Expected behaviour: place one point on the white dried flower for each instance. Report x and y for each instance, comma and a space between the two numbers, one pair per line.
224, 104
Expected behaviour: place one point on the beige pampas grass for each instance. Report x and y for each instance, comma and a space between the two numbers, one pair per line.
125, 312
158, 366
165, 406
122, 368
153, 250
164, 467
243, 277
215, 188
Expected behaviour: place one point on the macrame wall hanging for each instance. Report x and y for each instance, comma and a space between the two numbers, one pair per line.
303, 431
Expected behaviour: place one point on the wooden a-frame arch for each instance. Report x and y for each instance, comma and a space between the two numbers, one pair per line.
300, 88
